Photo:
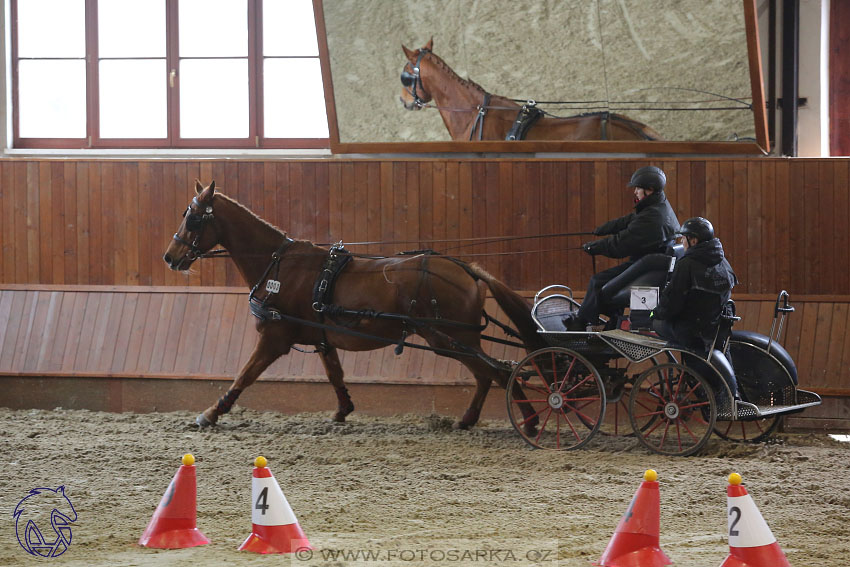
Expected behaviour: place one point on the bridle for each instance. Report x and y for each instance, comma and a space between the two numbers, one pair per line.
411, 80
412, 83
195, 223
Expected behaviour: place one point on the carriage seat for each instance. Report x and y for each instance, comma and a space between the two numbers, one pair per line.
649, 271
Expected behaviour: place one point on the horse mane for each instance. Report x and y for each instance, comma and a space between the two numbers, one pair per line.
437, 60
251, 213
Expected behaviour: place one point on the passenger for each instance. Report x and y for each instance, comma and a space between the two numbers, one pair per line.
689, 308
649, 229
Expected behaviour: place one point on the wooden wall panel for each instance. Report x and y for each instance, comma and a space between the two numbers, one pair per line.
184, 332
108, 222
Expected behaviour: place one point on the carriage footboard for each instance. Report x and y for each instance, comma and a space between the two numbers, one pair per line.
805, 399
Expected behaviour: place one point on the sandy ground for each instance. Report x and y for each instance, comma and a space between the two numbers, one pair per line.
408, 489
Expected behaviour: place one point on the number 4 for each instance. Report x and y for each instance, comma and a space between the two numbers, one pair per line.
261, 501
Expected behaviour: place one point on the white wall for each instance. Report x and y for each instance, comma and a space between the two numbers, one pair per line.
813, 125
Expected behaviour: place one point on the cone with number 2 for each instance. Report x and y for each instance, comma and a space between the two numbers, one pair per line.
274, 526
751, 543
635, 541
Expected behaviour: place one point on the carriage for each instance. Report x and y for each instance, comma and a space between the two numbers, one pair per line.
585, 382
570, 386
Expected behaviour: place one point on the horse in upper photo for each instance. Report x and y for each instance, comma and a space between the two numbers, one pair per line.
472, 113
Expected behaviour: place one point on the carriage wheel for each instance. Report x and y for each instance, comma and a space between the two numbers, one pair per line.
754, 431
672, 410
556, 399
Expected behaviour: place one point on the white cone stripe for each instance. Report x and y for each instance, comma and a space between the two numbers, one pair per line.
747, 527
271, 508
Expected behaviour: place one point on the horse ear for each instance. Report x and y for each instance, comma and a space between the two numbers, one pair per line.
410, 54
198, 186
206, 195
430, 45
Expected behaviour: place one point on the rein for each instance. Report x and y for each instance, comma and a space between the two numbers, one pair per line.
473, 241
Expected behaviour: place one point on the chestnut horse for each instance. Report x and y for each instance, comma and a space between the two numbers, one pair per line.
446, 293
471, 113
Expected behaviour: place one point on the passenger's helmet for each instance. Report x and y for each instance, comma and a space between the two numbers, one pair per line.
649, 177
699, 228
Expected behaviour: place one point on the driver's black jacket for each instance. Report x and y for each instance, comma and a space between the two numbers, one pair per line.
650, 228
700, 286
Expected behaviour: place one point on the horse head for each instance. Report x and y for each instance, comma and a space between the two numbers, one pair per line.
196, 234
413, 93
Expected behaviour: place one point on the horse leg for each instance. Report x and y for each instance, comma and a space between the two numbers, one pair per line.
333, 369
266, 351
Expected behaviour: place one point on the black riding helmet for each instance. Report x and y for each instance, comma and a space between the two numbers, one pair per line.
649, 177
697, 227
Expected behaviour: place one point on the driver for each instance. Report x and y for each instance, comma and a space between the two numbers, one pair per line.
649, 229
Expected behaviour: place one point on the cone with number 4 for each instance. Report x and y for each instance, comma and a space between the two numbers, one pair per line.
173, 523
274, 527
635, 541
751, 543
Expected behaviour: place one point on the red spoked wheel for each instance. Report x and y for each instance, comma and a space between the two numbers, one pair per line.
753, 431
672, 410
556, 399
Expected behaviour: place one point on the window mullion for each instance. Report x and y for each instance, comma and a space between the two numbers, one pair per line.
255, 71
172, 57
92, 76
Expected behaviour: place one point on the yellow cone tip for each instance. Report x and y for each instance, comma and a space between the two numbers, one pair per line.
650, 475
188, 459
735, 479
260, 462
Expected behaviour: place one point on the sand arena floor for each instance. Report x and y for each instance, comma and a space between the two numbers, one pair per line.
408, 490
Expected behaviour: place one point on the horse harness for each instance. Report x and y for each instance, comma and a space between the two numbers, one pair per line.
411, 80
528, 115
195, 223
338, 257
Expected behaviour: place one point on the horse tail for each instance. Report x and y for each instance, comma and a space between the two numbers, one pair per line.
515, 306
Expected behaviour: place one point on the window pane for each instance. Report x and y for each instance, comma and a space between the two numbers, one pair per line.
131, 28
52, 99
214, 98
294, 99
213, 28
289, 28
133, 99
51, 28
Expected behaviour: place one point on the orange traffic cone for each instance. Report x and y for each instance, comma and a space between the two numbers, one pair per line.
173, 523
635, 541
275, 528
751, 543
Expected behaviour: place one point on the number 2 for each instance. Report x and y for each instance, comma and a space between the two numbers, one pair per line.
737, 511
261, 501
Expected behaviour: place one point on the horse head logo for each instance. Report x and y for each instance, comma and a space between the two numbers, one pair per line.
37, 508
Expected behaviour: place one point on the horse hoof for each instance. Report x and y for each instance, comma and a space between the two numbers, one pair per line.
529, 430
342, 413
202, 421
459, 425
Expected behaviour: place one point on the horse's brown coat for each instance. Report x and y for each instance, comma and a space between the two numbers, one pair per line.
417, 285
458, 100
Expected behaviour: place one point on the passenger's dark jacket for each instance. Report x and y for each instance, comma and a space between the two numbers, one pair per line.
700, 286
649, 229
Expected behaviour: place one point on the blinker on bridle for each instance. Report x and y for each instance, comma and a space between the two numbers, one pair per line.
195, 223
411, 80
